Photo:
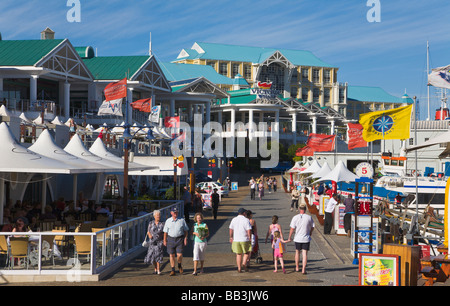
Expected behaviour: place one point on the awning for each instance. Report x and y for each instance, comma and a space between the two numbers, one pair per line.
164, 166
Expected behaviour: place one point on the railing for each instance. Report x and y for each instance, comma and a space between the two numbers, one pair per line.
25, 105
105, 250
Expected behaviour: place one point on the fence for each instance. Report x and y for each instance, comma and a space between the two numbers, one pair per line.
71, 256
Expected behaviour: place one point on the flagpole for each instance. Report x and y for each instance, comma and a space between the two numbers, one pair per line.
415, 153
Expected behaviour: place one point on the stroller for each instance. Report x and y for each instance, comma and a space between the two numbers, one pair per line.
255, 254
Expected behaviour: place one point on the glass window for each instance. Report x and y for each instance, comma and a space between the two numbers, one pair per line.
235, 68
247, 72
327, 77
223, 69
316, 76
305, 93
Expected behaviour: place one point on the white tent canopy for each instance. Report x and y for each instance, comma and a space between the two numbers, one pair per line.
339, 174
164, 166
57, 121
313, 168
322, 172
46, 146
5, 112
297, 168
25, 118
16, 158
443, 138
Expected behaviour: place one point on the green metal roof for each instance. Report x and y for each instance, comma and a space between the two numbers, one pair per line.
371, 94
114, 67
177, 72
85, 52
25, 52
227, 52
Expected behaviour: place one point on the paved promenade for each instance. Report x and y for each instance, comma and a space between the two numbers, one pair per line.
329, 261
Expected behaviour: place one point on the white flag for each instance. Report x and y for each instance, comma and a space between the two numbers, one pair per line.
154, 114
113, 107
440, 77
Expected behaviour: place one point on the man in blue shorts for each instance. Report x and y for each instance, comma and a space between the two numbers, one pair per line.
175, 239
303, 226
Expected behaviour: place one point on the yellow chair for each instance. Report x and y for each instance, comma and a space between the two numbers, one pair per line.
62, 241
19, 249
4, 249
82, 246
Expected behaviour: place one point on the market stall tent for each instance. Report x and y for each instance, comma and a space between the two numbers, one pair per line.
313, 168
322, 172
339, 174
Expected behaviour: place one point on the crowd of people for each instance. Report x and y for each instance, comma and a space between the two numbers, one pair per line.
258, 185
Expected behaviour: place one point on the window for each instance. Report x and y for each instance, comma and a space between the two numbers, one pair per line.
235, 70
341, 95
316, 95
247, 72
305, 74
411, 141
294, 92
316, 76
327, 77
305, 93
223, 69
211, 63
326, 97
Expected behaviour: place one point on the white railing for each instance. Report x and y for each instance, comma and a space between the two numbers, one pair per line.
106, 250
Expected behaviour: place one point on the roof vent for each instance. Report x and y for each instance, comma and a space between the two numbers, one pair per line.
47, 34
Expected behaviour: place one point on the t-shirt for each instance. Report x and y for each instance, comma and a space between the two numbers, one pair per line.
349, 205
240, 225
331, 204
302, 223
196, 230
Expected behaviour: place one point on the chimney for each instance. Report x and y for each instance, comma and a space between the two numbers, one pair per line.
47, 34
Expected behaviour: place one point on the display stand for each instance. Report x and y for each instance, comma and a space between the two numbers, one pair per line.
364, 215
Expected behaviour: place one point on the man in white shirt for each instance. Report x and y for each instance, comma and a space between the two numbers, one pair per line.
240, 234
252, 188
329, 210
303, 226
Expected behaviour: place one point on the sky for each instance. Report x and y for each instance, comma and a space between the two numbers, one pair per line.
391, 53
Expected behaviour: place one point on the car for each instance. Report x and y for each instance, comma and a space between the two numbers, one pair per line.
221, 189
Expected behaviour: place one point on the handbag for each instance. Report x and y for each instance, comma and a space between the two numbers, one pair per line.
145, 243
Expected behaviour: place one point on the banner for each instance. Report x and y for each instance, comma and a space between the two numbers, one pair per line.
440, 77
114, 91
388, 124
321, 142
172, 122
305, 151
113, 107
143, 105
154, 114
354, 136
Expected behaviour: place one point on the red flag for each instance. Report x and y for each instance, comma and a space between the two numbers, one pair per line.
321, 142
354, 136
143, 105
305, 151
172, 122
115, 91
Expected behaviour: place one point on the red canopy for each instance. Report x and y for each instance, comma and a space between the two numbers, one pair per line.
144, 105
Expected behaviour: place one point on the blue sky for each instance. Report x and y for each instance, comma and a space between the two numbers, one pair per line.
390, 54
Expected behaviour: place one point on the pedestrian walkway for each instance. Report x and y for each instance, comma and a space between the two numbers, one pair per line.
329, 261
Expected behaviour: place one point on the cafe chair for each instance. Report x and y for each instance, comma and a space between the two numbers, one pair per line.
82, 246
19, 249
4, 249
48, 250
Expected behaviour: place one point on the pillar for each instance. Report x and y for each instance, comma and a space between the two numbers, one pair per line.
332, 128
33, 88
172, 107
44, 193
208, 112
277, 121
128, 106
294, 127
1, 89
314, 124
74, 188
67, 100
250, 124
233, 121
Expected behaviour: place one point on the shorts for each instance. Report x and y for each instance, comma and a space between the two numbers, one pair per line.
302, 246
277, 254
175, 245
199, 251
241, 247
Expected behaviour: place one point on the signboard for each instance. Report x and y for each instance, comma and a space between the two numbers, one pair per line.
379, 269
364, 170
264, 93
206, 200
234, 186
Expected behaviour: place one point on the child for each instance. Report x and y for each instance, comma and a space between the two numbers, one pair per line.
279, 249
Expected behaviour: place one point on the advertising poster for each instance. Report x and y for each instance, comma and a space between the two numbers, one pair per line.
379, 269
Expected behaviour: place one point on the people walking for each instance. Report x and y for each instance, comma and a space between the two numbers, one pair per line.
200, 232
303, 226
215, 200
274, 184
261, 189
240, 231
175, 239
329, 210
295, 195
278, 246
155, 235
252, 184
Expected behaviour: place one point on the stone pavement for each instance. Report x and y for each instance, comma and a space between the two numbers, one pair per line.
329, 259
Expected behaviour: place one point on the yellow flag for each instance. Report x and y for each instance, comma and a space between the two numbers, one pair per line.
388, 124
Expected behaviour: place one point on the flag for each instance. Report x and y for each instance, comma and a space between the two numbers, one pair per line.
321, 142
154, 114
440, 77
143, 105
113, 107
305, 151
117, 90
354, 136
387, 124
172, 122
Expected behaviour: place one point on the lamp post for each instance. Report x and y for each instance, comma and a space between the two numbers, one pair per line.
126, 138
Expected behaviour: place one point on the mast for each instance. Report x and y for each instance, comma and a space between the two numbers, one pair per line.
428, 72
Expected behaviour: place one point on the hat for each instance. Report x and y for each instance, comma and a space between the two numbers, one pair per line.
241, 211
302, 206
174, 209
